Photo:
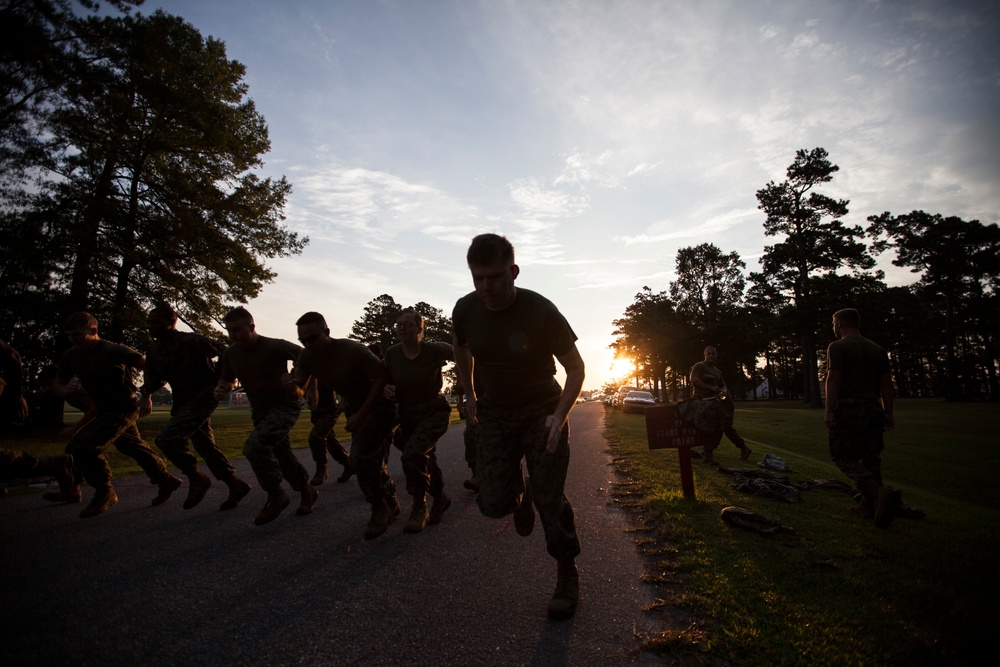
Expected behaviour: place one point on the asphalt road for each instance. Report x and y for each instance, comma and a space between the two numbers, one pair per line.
143, 585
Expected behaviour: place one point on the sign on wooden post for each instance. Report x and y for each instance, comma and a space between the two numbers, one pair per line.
665, 430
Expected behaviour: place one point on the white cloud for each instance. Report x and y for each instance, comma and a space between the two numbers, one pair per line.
538, 201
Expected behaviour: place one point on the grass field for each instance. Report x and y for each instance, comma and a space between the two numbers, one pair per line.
837, 591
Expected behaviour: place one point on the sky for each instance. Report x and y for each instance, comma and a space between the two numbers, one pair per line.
599, 137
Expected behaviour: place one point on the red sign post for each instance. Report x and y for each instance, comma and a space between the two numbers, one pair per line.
665, 430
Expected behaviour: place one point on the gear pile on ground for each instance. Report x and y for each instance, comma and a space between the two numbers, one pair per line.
774, 462
828, 484
756, 473
750, 520
766, 488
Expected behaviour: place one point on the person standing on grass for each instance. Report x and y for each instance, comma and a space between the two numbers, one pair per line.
708, 384
414, 367
505, 339
358, 376
185, 360
259, 363
104, 369
859, 397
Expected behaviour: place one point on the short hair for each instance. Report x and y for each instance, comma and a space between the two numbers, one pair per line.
489, 249
164, 311
238, 314
80, 320
416, 315
849, 316
312, 317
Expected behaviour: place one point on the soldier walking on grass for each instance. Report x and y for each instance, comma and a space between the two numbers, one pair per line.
708, 384
185, 360
505, 339
104, 370
260, 363
859, 396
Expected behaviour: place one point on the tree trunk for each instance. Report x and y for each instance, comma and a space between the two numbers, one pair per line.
86, 236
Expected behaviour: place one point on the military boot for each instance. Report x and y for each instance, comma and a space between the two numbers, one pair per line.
567, 593
167, 485
103, 499
309, 498
198, 484
418, 516
347, 474
440, 503
379, 522
277, 501
321, 474
238, 489
61, 468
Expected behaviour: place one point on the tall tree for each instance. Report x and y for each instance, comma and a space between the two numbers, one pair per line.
708, 291
959, 266
377, 324
814, 241
659, 341
709, 284
37, 41
39, 48
148, 192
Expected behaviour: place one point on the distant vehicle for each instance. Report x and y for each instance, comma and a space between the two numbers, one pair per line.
638, 401
620, 396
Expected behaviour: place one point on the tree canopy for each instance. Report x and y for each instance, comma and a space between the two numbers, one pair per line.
941, 332
959, 266
813, 242
377, 324
137, 185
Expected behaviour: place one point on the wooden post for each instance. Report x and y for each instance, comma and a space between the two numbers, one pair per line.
665, 430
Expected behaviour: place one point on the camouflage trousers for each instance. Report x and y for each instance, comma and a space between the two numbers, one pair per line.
369, 452
469, 437
506, 435
321, 437
112, 427
856, 440
420, 428
190, 421
269, 450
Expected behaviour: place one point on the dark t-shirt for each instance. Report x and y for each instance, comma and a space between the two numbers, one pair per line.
861, 363
104, 372
417, 380
708, 374
259, 369
185, 360
513, 349
344, 368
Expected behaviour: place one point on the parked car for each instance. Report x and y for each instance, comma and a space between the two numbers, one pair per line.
637, 401
619, 396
